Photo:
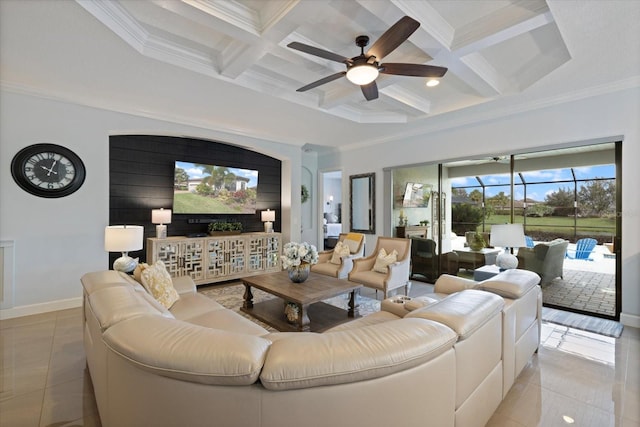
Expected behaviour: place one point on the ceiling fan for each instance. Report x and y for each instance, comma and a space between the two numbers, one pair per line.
364, 68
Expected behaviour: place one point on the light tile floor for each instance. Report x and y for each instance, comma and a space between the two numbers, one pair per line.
576, 377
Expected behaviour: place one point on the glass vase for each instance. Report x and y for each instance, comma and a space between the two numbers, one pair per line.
300, 273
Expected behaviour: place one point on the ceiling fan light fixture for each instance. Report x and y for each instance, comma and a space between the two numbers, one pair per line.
362, 74
433, 82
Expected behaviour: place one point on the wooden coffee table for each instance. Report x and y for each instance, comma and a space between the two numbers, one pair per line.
313, 314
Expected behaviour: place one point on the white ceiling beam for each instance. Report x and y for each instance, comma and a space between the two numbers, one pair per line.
467, 46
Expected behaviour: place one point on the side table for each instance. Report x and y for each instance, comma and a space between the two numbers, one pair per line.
485, 272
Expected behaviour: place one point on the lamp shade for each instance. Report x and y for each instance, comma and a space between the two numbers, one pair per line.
161, 216
123, 238
507, 235
268, 215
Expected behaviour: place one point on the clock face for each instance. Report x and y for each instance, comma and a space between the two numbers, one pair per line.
48, 170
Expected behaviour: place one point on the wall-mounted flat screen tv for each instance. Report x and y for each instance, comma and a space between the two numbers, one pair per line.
416, 195
210, 189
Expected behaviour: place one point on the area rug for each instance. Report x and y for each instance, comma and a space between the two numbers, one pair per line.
609, 328
231, 297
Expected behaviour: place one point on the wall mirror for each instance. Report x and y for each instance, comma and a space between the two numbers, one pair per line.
362, 203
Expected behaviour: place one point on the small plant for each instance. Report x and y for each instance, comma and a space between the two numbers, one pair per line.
477, 242
225, 226
424, 222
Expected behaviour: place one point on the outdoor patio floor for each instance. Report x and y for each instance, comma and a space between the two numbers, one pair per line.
588, 286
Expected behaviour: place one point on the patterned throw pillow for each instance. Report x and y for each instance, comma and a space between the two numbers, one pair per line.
157, 281
384, 260
340, 250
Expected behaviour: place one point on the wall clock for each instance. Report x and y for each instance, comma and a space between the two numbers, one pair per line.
48, 170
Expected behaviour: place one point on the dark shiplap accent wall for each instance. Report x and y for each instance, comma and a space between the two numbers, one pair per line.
141, 170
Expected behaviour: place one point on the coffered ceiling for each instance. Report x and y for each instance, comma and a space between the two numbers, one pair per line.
177, 58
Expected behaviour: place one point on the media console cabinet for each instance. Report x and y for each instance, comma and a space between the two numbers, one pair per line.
217, 258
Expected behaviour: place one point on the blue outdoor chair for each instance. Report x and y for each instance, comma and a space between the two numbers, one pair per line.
583, 250
529, 241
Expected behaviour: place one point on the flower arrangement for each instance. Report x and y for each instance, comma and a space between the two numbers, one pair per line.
296, 254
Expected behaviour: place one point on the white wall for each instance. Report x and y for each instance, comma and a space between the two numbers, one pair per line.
595, 118
58, 240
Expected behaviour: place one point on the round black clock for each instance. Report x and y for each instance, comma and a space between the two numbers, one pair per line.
48, 170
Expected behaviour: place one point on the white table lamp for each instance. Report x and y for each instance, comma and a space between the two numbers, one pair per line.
123, 238
161, 217
507, 236
268, 217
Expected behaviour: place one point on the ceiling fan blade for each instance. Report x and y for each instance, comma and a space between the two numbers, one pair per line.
370, 91
393, 37
316, 51
416, 70
317, 83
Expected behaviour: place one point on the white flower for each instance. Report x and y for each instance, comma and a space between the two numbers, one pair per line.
293, 254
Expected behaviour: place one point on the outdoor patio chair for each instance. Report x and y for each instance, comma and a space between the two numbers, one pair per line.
529, 241
583, 249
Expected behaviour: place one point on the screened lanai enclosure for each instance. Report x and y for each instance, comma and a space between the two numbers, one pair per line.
567, 201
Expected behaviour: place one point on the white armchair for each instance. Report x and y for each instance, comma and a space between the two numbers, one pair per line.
397, 273
335, 265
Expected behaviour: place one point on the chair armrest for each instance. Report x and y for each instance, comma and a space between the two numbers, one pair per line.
399, 272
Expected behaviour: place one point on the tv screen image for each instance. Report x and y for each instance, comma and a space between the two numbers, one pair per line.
210, 189
416, 195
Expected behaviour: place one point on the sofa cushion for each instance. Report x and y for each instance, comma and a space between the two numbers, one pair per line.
193, 305
339, 251
157, 280
511, 283
180, 350
449, 284
117, 303
229, 321
352, 355
97, 280
383, 260
464, 312
371, 319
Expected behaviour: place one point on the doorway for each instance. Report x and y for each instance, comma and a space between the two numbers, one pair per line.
331, 216
569, 195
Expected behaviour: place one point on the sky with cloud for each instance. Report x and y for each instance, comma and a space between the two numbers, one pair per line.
560, 178
196, 172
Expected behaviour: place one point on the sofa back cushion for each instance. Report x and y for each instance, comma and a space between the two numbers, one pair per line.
180, 350
464, 312
312, 360
116, 303
511, 283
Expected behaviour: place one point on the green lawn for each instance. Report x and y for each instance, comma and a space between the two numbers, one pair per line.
194, 203
559, 224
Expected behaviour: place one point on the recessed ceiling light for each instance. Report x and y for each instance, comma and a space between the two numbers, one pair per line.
433, 82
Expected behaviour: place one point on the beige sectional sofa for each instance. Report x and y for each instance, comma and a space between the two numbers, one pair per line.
199, 363
521, 321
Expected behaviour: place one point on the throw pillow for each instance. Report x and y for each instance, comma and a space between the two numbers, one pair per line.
157, 281
339, 251
383, 260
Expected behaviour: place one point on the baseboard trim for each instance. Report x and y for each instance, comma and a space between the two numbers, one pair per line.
46, 307
630, 320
